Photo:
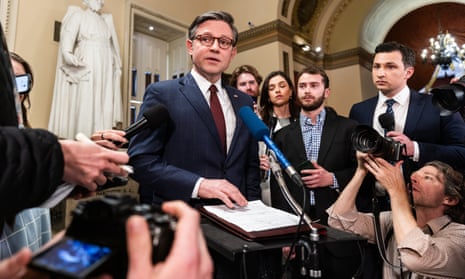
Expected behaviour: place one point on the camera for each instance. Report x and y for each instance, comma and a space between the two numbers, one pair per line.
95, 241
450, 97
368, 140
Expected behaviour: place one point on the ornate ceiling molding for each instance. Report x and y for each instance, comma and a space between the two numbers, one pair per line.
275, 31
384, 15
348, 58
334, 17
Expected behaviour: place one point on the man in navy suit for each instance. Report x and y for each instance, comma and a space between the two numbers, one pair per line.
188, 158
418, 125
320, 137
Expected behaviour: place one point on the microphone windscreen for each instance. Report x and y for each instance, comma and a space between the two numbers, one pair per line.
156, 116
387, 121
256, 127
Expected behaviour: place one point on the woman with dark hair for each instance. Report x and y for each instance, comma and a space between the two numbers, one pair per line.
21, 67
278, 107
278, 101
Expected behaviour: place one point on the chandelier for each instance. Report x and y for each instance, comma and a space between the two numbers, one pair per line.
444, 50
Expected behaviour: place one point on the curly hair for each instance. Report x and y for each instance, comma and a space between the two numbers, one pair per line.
245, 69
453, 188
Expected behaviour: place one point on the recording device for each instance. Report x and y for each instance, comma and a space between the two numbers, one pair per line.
95, 242
153, 118
23, 83
367, 140
305, 165
259, 131
449, 98
387, 121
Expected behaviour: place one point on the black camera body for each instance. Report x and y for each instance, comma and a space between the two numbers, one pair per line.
100, 223
449, 98
367, 140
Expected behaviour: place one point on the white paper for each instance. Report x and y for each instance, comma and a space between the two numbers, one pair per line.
256, 216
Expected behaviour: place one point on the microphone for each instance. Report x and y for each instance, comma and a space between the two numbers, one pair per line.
259, 131
387, 121
152, 118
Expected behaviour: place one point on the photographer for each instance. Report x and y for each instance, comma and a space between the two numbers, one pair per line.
430, 245
188, 257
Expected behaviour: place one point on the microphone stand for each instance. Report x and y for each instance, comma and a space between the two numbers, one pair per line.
278, 174
310, 265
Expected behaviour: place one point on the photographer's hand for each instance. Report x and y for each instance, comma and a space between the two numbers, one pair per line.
346, 200
409, 146
15, 266
388, 175
188, 257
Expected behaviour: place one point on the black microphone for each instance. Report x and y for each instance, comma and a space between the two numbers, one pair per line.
259, 131
152, 118
387, 121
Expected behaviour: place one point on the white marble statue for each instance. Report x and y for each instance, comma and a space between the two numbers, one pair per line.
87, 92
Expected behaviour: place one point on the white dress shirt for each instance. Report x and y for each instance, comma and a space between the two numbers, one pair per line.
400, 108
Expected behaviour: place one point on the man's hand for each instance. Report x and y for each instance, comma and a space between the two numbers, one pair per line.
317, 177
87, 163
223, 190
108, 138
15, 266
188, 258
388, 175
398, 136
264, 162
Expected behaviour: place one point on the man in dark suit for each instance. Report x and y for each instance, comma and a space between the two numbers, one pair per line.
426, 135
417, 124
321, 137
191, 157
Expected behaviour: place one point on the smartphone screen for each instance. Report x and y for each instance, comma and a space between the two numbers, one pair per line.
23, 82
71, 258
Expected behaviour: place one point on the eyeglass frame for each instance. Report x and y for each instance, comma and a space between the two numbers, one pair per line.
230, 42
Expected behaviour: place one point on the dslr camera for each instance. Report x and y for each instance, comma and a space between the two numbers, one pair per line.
449, 98
95, 241
367, 140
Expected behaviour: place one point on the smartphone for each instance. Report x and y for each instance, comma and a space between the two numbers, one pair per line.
71, 258
23, 83
304, 165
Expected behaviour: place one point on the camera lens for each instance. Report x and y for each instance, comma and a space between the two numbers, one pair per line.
367, 140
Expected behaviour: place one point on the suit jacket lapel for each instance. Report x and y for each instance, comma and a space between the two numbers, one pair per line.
233, 98
415, 108
191, 91
327, 135
371, 110
296, 143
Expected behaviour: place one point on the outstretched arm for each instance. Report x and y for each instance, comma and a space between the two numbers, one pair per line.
346, 200
391, 178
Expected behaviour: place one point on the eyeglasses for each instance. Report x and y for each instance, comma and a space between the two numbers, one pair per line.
208, 40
